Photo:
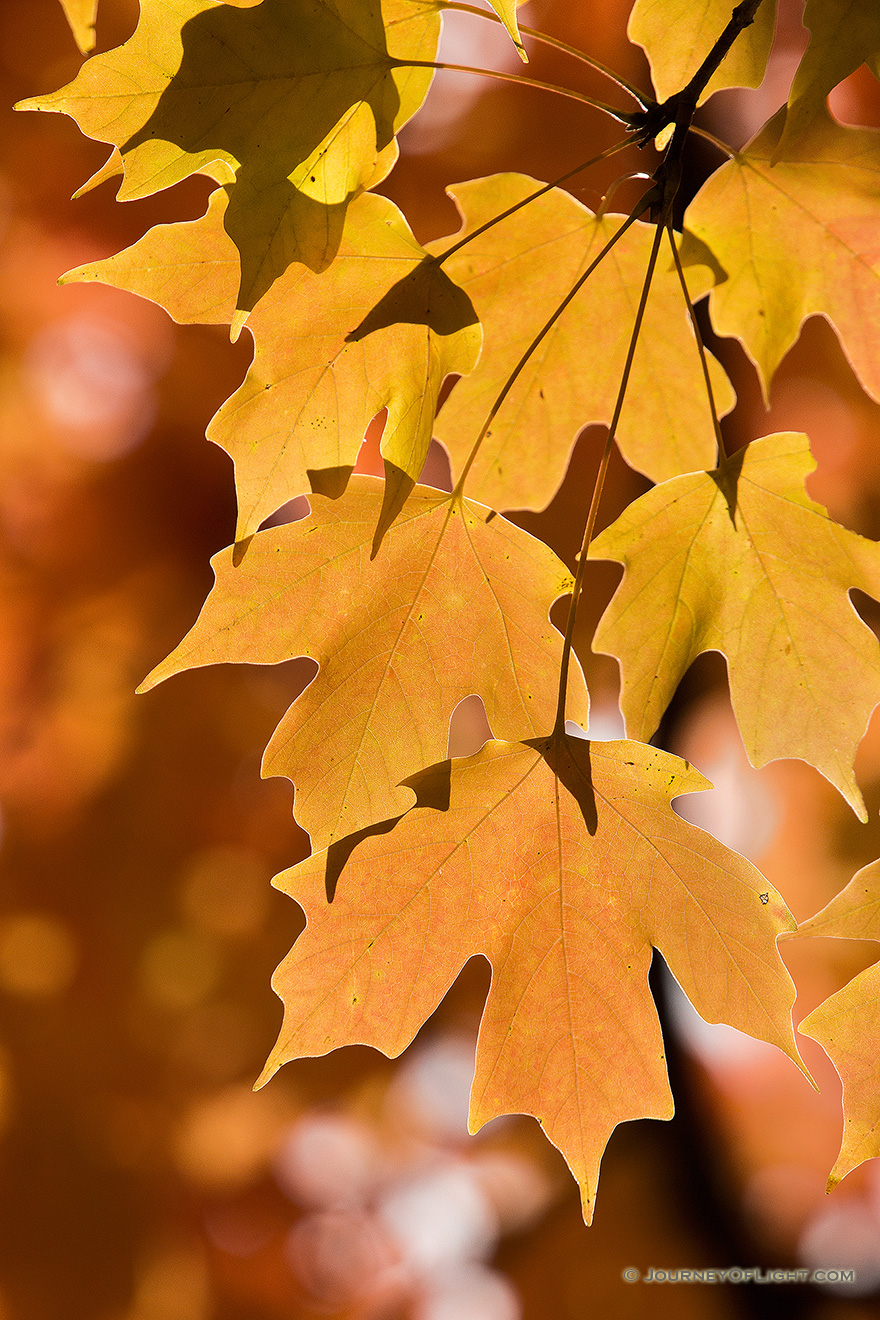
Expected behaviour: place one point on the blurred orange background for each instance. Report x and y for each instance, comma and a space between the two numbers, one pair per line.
142, 1179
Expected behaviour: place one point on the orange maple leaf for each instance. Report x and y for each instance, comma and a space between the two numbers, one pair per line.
456, 603
562, 863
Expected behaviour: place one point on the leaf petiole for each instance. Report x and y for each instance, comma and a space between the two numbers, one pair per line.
716, 142
622, 116
532, 197
643, 99
641, 206
559, 724
704, 362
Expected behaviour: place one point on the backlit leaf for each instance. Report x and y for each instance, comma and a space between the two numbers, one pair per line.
381, 328
81, 17
742, 561
190, 268
562, 864
516, 274
456, 603
797, 238
843, 35
677, 35
506, 11
847, 1024
300, 99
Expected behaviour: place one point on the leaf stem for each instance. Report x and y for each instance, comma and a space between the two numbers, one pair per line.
622, 116
679, 108
559, 724
716, 142
547, 187
605, 203
704, 360
640, 207
641, 97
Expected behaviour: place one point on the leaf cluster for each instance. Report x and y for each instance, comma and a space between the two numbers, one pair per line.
558, 859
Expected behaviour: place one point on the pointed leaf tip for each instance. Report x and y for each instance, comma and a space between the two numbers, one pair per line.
111, 169
506, 11
450, 607
742, 561
239, 320
562, 863
81, 16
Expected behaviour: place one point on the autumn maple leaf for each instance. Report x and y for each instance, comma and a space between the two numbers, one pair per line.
677, 35
740, 560
562, 863
797, 237
847, 1024
465, 597
516, 273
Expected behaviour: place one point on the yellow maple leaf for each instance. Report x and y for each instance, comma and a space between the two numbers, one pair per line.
516, 274
742, 561
677, 35
797, 237
299, 101
456, 603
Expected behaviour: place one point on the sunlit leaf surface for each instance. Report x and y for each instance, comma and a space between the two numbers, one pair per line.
456, 602
677, 35
516, 274
797, 238
742, 561
563, 864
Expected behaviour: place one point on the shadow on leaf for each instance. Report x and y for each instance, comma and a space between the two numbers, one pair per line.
432, 788
570, 760
266, 88
426, 296
726, 477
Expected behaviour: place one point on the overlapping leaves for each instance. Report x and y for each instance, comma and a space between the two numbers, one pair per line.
741, 560
456, 603
558, 860
561, 862
797, 237
843, 35
380, 329
516, 274
299, 101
